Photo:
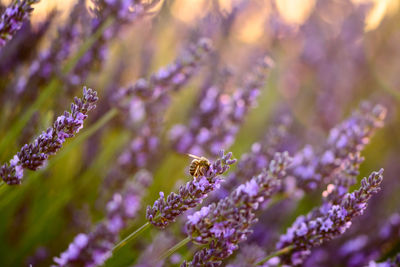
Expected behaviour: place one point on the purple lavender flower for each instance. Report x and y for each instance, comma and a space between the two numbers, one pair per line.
95, 248
224, 225
327, 222
23, 47
164, 211
49, 62
343, 180
218, 115
311, 168
12, 18
336, 168
33, 156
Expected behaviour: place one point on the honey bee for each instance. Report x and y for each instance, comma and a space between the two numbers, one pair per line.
199, 166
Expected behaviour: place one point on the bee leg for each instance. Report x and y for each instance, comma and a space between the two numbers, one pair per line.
196, 171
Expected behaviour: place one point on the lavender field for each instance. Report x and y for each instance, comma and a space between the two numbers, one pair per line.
234, 133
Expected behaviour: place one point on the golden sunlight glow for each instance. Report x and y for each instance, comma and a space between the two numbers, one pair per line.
393, 7
251, 29
378, 11
250, 24
225, 5
43, 8
190, 10
376, 15
295, 11
292, 11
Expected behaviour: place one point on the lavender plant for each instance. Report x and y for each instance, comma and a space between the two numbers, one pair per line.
327, 59
359, 248
12, 18
327, 222
94, 248
312, 169
164, 211
224, 225
33, 156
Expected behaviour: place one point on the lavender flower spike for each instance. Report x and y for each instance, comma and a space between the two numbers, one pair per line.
164, 211
94, 248
34, 155
224, 225
327, 222
12, 18
348, 138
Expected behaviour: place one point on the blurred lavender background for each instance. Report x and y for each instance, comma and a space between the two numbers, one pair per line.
301, 96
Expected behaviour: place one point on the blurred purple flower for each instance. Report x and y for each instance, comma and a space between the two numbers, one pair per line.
12, 18
95, 248
49, 62
248, 256
394, 262
120, 12
150, 257
218, 115
277, 139
24, 46
312, 168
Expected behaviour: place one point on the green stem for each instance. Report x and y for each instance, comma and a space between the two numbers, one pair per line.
170, 251
276, 254
71, 63
131, 237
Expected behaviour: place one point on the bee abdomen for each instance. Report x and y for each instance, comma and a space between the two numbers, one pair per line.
193, 167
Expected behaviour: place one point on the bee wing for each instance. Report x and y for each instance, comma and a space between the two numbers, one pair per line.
193, 156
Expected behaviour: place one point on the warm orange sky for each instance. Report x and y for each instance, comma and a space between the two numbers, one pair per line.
293, 11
